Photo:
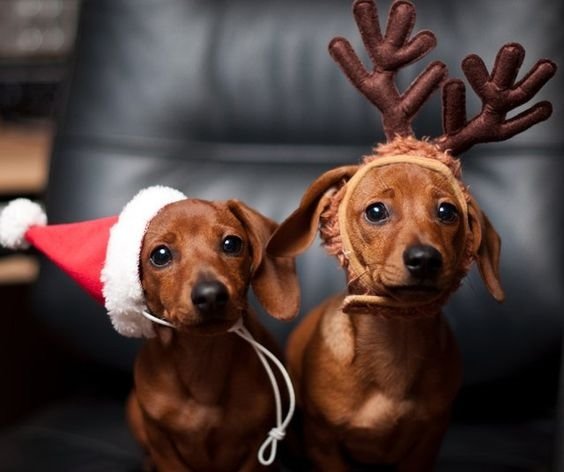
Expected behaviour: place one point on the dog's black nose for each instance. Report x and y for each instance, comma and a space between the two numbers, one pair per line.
209, 296
422, 260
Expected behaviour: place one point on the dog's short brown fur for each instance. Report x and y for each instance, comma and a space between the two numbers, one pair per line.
377, 368
376, 382
202, 400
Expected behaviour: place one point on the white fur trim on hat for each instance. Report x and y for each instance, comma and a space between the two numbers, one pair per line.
18, 216
122, 289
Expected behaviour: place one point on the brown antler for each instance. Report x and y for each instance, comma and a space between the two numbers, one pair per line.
388, 54
499, 94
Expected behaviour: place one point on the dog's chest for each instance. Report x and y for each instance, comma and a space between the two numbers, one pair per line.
241, 402
200, 427
383, 427
395, 391
383, 414
203, 435
385, 397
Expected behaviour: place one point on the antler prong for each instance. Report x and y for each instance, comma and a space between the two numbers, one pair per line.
422, 87
454, 105
366, 17
539, 75
507, 64
415, 49
401, 21
499, 94
389, 53
343, 53
524, 120
476, 72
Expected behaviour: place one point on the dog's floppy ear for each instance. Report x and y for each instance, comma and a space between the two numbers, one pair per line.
274, 279
297, 232
487, 248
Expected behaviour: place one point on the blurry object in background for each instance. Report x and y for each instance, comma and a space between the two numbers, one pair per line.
18, 269
24, 160
36, 39
28, 100
24, 153
37, 29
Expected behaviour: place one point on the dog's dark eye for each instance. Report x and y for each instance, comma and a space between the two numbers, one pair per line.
161, 256
232, 245
376, 213
447, 212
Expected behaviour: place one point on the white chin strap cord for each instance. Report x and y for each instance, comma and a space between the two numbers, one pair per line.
277, 433
154, 319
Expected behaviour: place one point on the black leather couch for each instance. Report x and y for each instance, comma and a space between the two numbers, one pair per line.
241, 99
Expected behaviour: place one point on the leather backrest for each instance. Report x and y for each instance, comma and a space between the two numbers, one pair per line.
240, 99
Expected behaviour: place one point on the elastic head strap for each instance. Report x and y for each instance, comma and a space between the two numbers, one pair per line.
355, 266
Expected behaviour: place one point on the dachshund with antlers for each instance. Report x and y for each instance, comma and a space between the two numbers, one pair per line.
377, 368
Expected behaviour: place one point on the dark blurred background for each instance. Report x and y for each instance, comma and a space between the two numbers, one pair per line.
239, 98
36, 41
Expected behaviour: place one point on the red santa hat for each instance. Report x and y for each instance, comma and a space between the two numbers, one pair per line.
102, 255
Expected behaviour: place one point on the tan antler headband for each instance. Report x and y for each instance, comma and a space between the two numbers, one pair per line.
348, 250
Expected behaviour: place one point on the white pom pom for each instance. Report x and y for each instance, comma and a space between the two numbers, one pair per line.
16, 219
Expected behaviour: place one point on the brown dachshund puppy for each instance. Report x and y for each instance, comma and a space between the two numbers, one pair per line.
202, 400
377, 368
